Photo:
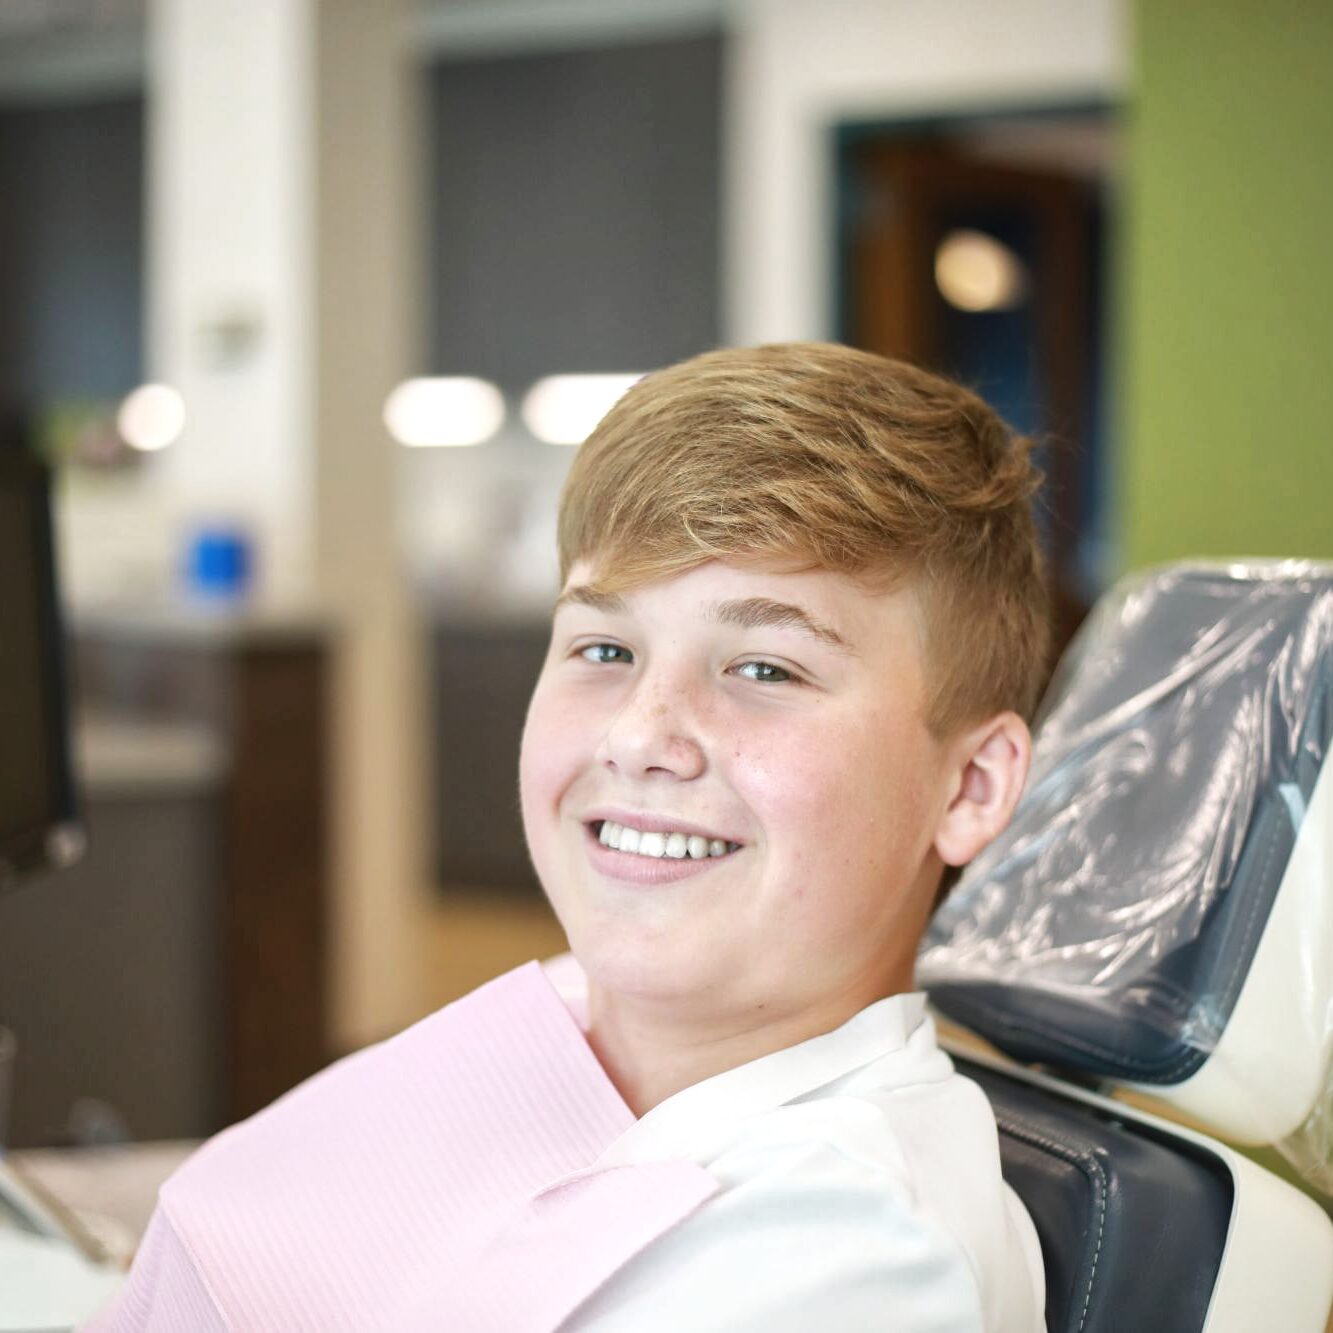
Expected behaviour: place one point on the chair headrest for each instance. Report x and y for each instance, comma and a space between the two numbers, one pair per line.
1161, 902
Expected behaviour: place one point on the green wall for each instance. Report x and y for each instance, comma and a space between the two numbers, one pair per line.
1226, 333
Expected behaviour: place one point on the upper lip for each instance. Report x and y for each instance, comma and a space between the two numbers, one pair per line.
647, 823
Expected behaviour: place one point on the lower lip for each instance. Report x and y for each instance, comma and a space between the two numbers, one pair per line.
635, 869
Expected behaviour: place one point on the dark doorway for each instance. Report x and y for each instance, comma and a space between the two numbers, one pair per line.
975, 247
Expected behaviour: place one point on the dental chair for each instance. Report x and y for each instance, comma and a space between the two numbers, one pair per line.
1155, 930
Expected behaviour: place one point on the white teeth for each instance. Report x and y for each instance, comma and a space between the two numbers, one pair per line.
652, 844
620, 837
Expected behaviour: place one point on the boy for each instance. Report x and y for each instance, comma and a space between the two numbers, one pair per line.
802, 619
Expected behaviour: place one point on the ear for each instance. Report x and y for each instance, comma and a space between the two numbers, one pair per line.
990, 765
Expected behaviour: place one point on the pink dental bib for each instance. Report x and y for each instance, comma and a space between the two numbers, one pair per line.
445, 1179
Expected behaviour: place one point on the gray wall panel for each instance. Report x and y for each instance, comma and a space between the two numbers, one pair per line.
574, 210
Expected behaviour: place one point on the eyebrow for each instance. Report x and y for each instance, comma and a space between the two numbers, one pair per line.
581, 594
760, 612
745, 612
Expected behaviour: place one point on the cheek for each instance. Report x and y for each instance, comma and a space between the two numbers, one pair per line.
840, 801
546, 761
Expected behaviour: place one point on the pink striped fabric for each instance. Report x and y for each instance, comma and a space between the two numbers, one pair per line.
443, 1179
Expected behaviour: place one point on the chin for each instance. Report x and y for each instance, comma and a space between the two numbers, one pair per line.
617, 961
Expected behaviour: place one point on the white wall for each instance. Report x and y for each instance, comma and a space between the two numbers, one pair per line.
798, 68
228, 233
229, 241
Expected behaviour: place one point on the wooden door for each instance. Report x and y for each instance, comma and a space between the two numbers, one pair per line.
913, 193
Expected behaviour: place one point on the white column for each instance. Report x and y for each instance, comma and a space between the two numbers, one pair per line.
231, 282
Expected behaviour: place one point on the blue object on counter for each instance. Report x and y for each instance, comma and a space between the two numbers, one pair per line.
220, 564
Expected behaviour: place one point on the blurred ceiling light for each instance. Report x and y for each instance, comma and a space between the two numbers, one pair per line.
448, 410
975, 272
151, 417
563, 409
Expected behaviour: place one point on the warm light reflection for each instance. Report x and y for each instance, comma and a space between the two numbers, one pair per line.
563, 409
976, 272
444, 411
151, 418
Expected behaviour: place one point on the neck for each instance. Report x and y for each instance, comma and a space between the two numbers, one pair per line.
651, 1050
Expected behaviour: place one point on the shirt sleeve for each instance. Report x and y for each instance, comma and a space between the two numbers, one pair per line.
805, 1237
163, 1292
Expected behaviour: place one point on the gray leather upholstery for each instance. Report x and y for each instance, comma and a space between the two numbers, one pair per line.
1132, 1226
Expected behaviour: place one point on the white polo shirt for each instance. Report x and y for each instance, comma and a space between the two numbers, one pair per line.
861, 1190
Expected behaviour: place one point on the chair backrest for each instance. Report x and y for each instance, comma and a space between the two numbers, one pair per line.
1174, 843
1160, 914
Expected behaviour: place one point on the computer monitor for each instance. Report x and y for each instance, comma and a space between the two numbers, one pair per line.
39, 820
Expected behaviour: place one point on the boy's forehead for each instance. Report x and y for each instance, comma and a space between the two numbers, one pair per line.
842, 611
598, 582
594, 581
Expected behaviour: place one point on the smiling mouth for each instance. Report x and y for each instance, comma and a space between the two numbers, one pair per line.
659, 846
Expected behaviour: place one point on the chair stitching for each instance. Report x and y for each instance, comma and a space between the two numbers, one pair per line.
1087, 1162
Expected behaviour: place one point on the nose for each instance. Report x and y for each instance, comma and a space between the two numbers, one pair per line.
653, 733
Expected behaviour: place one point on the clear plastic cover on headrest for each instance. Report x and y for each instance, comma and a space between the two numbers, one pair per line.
1166, 880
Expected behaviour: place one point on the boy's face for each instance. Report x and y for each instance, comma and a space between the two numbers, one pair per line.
778, 715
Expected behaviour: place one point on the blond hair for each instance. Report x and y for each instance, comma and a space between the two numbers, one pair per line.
819, 456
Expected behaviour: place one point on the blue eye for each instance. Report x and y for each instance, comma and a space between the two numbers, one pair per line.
606, 652
764, 672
